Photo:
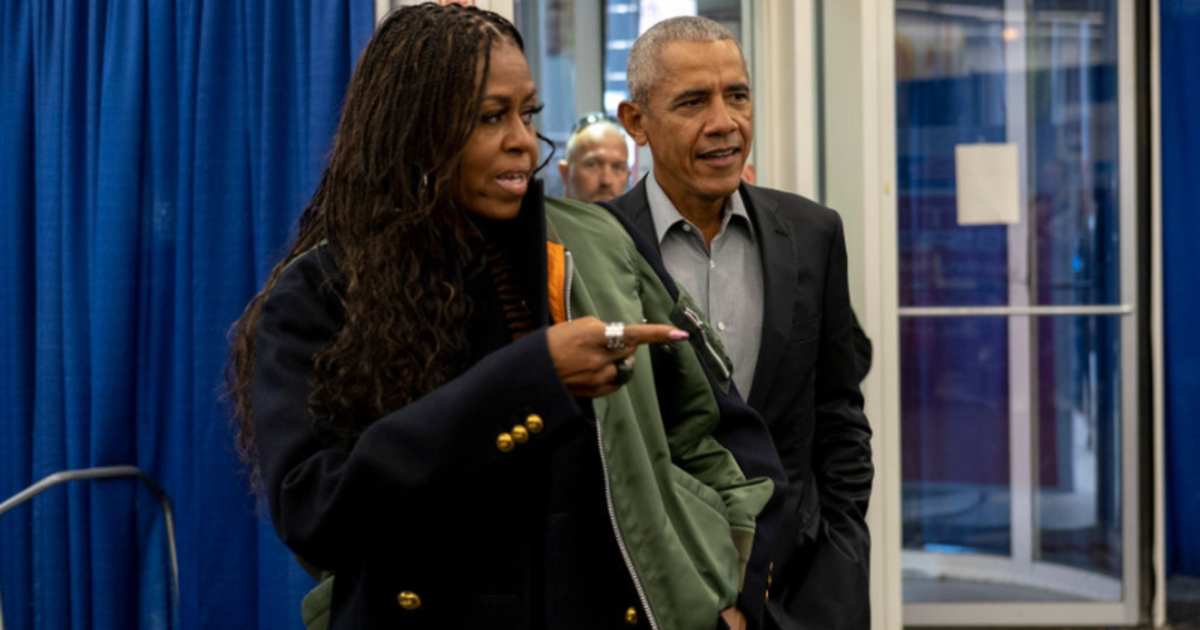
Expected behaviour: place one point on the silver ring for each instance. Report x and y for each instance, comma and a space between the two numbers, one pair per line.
624, 370
614, 336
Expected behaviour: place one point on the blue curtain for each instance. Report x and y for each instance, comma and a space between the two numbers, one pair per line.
1181, 299
153, 158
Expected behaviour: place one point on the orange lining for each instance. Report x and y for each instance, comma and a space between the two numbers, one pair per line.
556, 277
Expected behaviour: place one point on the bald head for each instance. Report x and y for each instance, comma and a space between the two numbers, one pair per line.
597, 164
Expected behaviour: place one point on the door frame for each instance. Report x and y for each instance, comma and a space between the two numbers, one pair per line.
858, 118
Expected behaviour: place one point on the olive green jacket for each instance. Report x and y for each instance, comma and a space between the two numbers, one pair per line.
682, 511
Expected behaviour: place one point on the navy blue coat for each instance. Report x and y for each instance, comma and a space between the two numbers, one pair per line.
424, 502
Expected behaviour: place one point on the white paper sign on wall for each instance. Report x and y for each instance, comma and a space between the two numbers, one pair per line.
988, 184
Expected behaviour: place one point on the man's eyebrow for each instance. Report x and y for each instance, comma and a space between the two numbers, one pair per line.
740, 86
690, 94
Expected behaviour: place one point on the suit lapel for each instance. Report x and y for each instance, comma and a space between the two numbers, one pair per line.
780, 274
634, 206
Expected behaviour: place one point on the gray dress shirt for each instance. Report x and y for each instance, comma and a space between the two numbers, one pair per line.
726, 282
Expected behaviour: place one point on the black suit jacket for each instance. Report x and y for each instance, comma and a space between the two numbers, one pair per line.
806, 386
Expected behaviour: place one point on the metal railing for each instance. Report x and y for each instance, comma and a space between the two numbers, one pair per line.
108, 472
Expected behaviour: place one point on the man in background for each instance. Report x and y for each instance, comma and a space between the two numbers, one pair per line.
596, 167
769, 270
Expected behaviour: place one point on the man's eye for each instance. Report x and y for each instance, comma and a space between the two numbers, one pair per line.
741, 97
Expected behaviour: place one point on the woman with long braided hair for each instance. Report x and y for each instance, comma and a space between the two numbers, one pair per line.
437, 424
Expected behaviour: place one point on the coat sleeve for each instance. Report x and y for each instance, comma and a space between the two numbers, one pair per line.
744, 499
842, 441
318, 493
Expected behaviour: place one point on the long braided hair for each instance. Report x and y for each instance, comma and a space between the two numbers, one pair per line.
384, 206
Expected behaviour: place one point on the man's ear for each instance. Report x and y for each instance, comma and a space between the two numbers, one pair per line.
631, 117
564, 170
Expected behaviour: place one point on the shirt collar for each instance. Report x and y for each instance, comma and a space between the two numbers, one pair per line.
666, 215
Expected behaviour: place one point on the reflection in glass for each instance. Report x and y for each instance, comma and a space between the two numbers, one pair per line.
959, 82
1040, 75
955, 408
548, 27
1078, 507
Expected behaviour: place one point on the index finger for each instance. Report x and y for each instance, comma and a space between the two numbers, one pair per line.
653, 333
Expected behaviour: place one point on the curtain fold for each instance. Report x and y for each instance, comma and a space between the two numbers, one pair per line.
153, 159
1181, 301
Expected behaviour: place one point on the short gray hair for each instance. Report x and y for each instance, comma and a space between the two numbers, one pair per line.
643, 69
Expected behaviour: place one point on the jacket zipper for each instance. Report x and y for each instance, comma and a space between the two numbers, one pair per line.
612, 516
691, 315
569, 268
569, 265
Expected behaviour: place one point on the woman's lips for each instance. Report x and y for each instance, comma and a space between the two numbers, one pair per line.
514, 182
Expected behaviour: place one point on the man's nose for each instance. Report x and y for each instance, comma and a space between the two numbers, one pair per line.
720, 121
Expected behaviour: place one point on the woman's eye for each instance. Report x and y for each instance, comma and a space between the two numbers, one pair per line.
527, 115
492, 118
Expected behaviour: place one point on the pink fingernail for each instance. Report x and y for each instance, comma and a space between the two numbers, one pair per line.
678, 335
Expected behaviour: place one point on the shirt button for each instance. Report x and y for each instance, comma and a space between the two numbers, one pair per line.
721, 326
687, 228
712, 264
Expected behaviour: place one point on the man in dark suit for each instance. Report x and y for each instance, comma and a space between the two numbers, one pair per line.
769, 269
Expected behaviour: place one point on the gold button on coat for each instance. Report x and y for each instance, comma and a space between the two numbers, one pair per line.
631, 616
408, 600
534, 423
520, 434
505, 442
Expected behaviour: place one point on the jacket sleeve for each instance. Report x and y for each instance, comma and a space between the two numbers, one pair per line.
317, 491
842, 441
743, 498
694, 415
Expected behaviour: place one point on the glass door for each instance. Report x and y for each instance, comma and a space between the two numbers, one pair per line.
1017, 248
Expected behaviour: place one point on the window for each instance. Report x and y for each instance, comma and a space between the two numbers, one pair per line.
578, 50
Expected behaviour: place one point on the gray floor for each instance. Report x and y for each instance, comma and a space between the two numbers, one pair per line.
1183, 601
924, 590
1183, 596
